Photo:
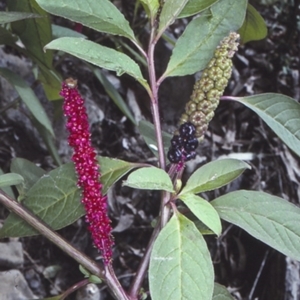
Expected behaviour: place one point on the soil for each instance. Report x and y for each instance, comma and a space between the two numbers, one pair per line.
249, 268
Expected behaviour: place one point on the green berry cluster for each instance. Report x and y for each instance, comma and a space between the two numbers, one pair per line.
210, 87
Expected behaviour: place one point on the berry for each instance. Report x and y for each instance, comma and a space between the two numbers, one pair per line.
190, 155
174, 155
187, 130
176, 141
191, 144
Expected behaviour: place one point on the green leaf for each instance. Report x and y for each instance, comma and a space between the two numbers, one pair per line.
100, 15
114, 95
254, 27
113, 169
55, 198
28, 97
29, 171
195, 47
214, 175
7, 190
34, 33
150, 178
8, 17
204, 211
10, 179
147, 131
194, 7
6, 37
180, 263
98, 55
151, 7
280, 112
170, 10
221, 293
268, 218
60, 31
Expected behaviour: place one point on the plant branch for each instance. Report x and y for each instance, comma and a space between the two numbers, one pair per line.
60, 242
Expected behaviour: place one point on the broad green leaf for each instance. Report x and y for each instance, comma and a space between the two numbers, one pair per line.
12, 16
28, 97
34, 33
254, 27
196, 46
29, 171
147, 131
151, 7
149, 178
7, 190
195, 6
10, 179
214, 175
100, 15
204, 211
170, 10
221, 293
114, 95
6, 37
280, 112
98, 55
55, 198
113, 169
268, 218
180, 263
60, 31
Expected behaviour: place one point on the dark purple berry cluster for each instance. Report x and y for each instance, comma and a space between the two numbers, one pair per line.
183, 146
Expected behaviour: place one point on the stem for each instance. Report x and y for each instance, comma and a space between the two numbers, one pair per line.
60, 242
154, 102
74, 288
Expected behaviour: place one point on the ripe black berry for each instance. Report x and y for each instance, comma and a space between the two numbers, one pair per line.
187, 129
191, 144
174, 155
190, 155
176, 141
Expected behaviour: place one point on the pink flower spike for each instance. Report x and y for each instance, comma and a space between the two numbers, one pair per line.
87, 169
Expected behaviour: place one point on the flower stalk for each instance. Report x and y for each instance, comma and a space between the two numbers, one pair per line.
87, 169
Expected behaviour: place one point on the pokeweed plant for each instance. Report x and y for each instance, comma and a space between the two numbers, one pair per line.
177, 258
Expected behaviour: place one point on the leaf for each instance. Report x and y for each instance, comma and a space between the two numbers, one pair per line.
147, 131
35, 32
149, 178
98, 55
195, 47
114, 95
280, 112
10, 179
28, 97
204, 211
60, 31
101, 15
55, 198
268, 218
180, 263
214, 175
170, 10
151, 7
194, 7
29, 171
6, 37
113, 169
254, 27
221, 293
7, 190
12, 16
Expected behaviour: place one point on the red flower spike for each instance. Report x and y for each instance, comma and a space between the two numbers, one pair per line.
87, 170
